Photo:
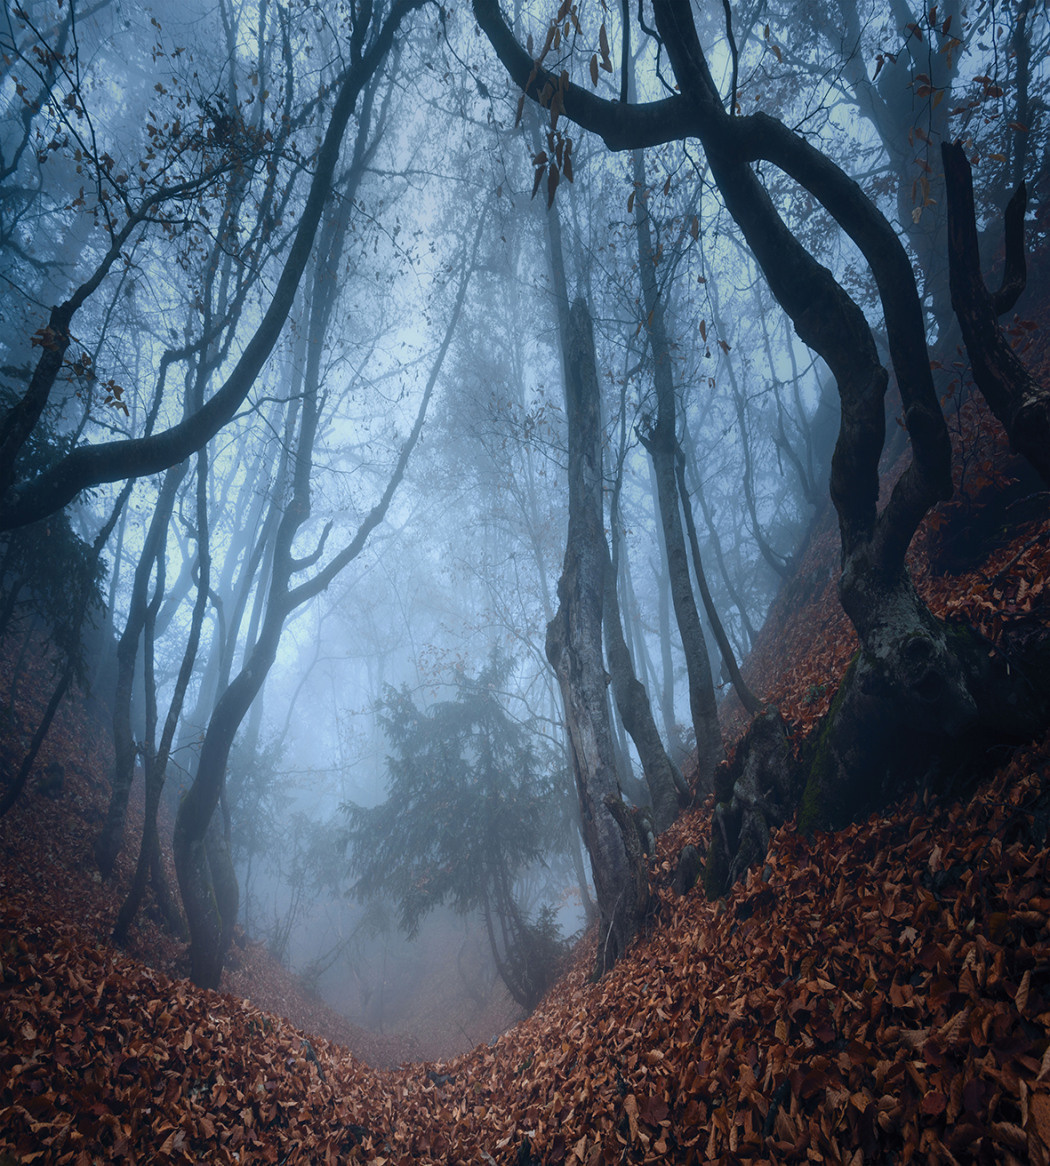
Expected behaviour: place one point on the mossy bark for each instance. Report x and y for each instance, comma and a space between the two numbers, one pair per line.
759, 792
923, 714
921, 717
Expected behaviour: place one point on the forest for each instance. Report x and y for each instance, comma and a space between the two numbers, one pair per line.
524, 540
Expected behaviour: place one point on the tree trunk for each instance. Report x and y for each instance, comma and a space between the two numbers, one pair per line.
666, 694
758, 793
744, 694
661, 443
574, 649
157, 764
94, 464
632, 702
202, 860
1013, 395
703, 707
111, 837
749, 634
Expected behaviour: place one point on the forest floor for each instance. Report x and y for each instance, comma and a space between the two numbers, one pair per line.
47, 864
878, 994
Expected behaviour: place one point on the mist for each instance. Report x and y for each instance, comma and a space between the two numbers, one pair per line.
294, 505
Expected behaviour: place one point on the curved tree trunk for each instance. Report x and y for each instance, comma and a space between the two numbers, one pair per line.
89, 465
1013, 395
111, 837
202, 860
574, 649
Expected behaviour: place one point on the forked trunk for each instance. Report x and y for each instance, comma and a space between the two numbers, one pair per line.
574, 649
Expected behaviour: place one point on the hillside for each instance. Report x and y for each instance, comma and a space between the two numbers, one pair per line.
881, 994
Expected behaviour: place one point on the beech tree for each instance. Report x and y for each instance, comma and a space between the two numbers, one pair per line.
574, 649
918, 684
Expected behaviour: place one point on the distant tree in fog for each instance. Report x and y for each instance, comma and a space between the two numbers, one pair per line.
470, 806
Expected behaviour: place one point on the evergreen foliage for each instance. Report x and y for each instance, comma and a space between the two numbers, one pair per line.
470, 806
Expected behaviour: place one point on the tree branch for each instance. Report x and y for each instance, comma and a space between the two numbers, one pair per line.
135, 457
620, 127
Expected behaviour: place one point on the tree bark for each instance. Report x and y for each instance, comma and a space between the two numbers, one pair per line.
1013, 395
157, 762
703, 707
661, 444
632, 703
111, 836
759, 792
918, 683
574, 649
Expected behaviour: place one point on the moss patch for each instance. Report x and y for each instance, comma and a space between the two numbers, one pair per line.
818, 761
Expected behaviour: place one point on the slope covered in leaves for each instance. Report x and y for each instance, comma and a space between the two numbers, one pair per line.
881, 994
47, 862
877, 995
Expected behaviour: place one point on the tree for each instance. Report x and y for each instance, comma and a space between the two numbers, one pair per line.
76, 571
23, 501
468, 810
661, 442
665, 783
574, 649
207, 879
157, 753
47, 569
1021, 405
918, 684
108, 843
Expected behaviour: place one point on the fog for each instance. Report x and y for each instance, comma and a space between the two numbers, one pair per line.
424, 325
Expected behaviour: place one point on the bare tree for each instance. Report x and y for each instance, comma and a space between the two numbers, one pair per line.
921, 682
372, 36
660, 440
206, 877
574, 649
